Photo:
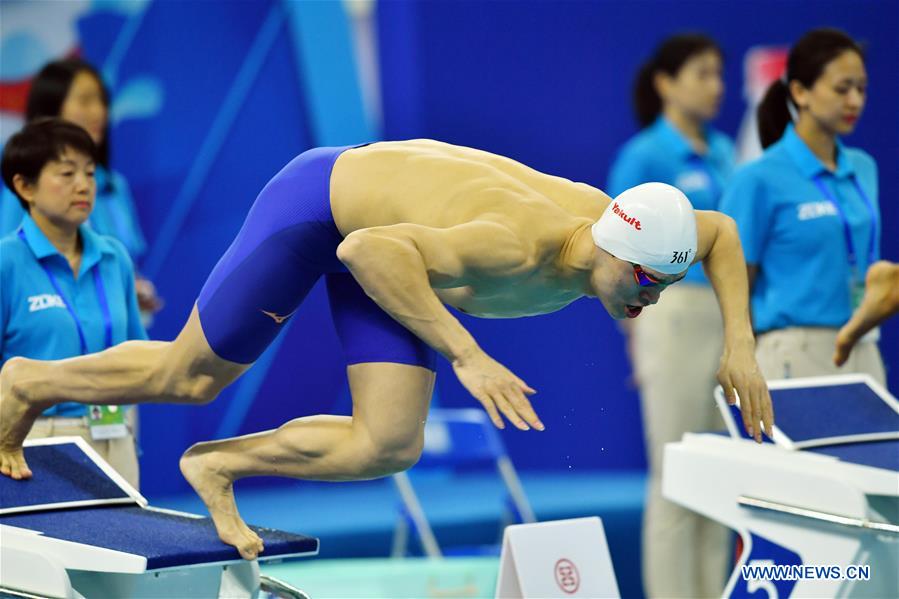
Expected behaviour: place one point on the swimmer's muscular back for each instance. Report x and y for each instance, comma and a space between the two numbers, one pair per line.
490, 232
440, 185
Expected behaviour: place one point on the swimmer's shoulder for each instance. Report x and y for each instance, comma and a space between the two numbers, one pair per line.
540, 229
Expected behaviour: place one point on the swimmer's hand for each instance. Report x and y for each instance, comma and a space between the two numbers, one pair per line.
498, 389
739, 375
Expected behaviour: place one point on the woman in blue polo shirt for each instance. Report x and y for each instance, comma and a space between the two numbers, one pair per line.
73, 90
675, 344
67, 290
808, 212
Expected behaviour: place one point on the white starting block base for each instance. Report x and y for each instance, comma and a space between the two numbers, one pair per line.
77, 530
824, 494
565, 558
54, 568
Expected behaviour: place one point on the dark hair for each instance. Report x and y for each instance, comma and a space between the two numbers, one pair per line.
50, 87
669, 57
39, 142
807, 60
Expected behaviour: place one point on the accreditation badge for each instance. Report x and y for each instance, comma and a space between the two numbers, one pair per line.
856, 295
107, 422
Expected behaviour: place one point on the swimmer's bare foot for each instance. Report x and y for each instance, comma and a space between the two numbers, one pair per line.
17, 416
203, 468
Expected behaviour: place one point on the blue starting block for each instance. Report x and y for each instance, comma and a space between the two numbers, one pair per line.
816, 507
78, 530
813, 413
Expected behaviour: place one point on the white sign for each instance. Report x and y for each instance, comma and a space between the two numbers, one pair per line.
565, 558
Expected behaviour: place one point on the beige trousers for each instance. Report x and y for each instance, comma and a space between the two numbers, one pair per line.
808, 351
677, 349
121, 453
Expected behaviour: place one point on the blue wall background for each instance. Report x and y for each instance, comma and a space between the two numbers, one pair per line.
547, 83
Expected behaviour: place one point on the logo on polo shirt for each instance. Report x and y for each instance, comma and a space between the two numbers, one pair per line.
811, 210
44, 301
692, 181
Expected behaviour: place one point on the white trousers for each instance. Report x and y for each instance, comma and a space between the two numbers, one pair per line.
677, 350
120, 453
808, 351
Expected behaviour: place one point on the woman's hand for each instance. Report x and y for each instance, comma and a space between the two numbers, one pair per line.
147, 299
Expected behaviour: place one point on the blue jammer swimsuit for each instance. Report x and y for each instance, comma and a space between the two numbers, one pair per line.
287, 242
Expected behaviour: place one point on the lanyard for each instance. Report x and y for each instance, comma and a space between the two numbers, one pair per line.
101, 298
847, 232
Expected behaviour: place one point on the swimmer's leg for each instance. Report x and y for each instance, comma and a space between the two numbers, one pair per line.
261, 279
184, 371
384, 435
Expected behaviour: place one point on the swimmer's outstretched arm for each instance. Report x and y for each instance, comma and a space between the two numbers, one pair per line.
881, 301
719, 249
399, 265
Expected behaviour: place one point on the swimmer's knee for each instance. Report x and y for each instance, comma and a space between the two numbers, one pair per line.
193, 388
179, 382
200, 390
396, 455
188, 371
401, 459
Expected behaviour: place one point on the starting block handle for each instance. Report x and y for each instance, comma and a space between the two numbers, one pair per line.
784, 508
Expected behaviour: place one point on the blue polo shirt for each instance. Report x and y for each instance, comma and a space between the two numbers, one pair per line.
661, 153
792, 230
34, 321
114, 213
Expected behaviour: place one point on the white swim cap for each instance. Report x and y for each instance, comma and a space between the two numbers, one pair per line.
652, 225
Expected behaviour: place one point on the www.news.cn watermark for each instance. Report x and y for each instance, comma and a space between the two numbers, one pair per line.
771, 571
